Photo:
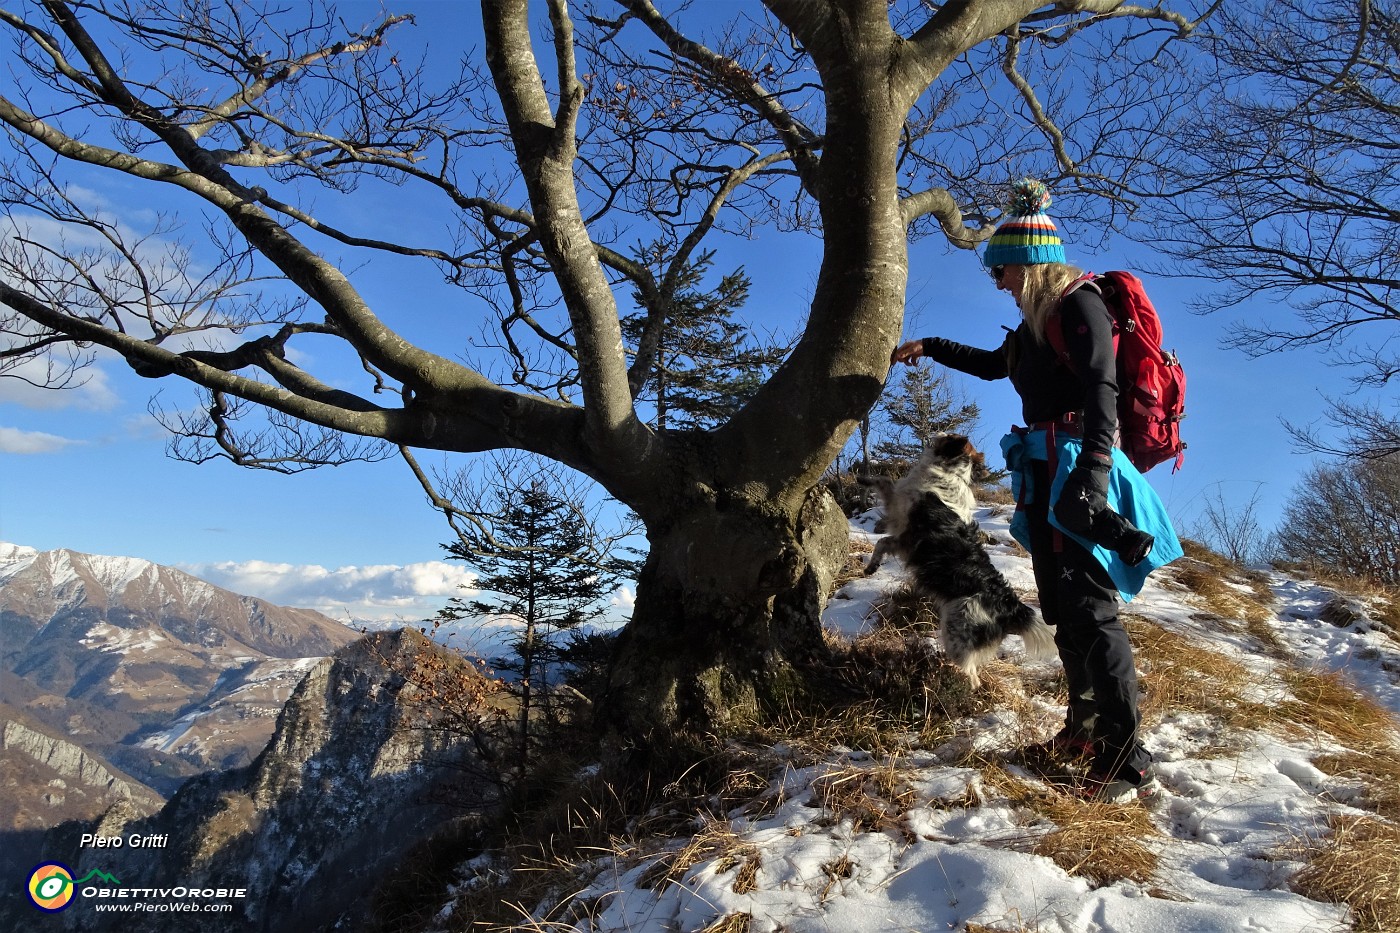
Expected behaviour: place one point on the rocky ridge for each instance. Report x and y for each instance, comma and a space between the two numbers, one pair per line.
359, 771
138, 668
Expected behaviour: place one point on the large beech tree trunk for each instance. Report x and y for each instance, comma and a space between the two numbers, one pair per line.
727, 618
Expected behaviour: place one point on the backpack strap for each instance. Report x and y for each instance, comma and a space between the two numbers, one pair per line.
1088, 279
1054, 327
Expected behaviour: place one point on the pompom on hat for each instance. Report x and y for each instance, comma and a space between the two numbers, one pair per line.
1027, 236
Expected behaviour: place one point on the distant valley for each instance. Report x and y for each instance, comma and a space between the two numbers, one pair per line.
120, 679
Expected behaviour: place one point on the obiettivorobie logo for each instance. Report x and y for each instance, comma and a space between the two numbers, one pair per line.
51, 885
52, 888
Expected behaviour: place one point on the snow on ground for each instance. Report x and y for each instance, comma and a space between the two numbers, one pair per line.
255, 686
115, 640
962, 854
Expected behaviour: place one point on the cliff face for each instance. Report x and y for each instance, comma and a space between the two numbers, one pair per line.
42, 774
361, 767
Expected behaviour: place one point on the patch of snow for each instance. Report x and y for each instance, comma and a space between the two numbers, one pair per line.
1232, 808
114, 640
14, 558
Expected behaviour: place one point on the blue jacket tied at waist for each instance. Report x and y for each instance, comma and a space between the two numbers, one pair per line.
1128, 494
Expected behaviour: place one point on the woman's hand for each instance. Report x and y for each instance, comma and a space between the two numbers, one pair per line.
907, 353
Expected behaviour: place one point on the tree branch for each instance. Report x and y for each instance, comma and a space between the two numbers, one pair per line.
546, 152
797, 138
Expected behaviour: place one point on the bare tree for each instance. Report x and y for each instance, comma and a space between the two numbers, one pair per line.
862, 121
1291, 179
1366, 430
1234, 530
1346, 518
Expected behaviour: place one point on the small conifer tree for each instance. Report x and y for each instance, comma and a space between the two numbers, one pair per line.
920, 406
545, 567
706, 365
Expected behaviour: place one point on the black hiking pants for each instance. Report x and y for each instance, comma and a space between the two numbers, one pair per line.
1079, 599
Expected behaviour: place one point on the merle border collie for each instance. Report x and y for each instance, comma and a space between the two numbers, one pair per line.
929, 527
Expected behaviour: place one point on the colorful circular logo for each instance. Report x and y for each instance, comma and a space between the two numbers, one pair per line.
51, 886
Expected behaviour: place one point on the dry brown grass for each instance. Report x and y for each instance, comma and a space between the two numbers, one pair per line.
854, 566
715, 840
734, 923
902, 685
749, 861
1264, 634
1217, 580
999, 783
1327, 701
1100, 842
902, 610
898, 659
867, 725
872, 799
548, 854
1378, 771
836, 871
1388, 612
995, 494
1179, 675
1357, 864
1227, 589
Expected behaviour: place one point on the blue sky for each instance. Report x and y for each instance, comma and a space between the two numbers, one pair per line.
87, 469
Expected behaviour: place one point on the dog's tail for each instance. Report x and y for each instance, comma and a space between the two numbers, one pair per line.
1039, 637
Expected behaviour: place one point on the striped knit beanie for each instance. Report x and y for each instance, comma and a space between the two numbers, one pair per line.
1027, 236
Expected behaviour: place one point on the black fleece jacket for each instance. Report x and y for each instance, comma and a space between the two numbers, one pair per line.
1048, 388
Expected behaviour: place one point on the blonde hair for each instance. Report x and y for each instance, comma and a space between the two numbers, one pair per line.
1042, 284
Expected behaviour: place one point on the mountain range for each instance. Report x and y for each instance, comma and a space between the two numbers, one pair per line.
121, 678
261, 748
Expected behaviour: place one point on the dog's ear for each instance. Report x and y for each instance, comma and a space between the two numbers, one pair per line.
950, 446
956, 445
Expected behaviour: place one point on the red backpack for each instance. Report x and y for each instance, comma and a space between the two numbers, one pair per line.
1151, 382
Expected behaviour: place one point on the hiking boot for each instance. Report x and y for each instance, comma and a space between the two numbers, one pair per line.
1099, 787
1064, 746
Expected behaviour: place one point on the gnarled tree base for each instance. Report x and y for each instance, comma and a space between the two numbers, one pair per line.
727, 622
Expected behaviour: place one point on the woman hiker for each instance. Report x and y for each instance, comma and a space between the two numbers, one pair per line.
1064, 471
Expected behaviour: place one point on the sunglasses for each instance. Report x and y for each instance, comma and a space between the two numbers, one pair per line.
997, 272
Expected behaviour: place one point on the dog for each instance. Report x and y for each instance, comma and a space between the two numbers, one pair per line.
948, 466
941, 546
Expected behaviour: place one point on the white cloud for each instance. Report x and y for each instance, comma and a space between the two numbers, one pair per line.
624, 600
94, 393
15, 441
384, 592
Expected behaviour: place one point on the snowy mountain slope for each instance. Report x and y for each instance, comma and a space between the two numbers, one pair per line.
971, 838
360, 770
144, 666
43, 590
